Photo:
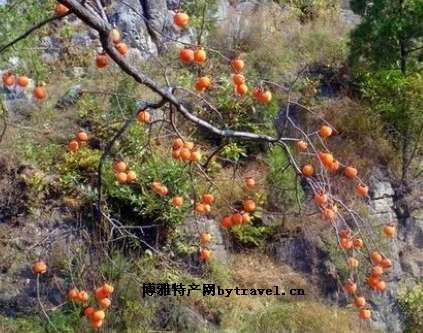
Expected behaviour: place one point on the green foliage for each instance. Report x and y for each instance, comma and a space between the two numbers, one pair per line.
251, 235
67, 320
397, 98
234, 152
138, 199
201, 12
16, 19
411, 302
386, 49
282, 181
388, 35
39, 155
299, 317
310, 9
21, 324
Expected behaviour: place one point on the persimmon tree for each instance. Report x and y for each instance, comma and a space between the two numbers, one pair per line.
308, 154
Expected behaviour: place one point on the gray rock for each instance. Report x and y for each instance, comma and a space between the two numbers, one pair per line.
70, 98
131, 21
52, 49
194, 226
188, 319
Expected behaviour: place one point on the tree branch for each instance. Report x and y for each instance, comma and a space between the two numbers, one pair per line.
31, 30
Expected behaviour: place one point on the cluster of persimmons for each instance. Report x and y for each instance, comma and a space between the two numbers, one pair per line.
329, 212
81, 137
10, 81
94, 312
332, 165
187, 152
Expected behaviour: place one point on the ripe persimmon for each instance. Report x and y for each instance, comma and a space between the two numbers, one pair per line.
226, 222
104, 303
238, 79
83, 296
350, 172
39, 92
375, 257
9, 79
144, 117
249, 205
181, 19
200, 56
261, 95
122, 177
377, 271
380, 286
61, 10
101, 60
249, 182
352, 262
73, 294
96, 323
207, 208
82, 136
345, 243
328, 214
364, 314
115, 35
389, 230
163, 191
131, 176
241, 89
98, 315
357, 243
326, 158
320, 198
195, 156
202, 83
177, 201
200, 209
120, 166
372, 281
344, 233
359, 302
237, 65
189, 145
176, 154
361, 190
101, 293
122, 48
186, 55
73, 146
325, 131
350, 287
386, 263
205, 237
301, 145
178, 143
23, 81
88, 311
108, 288
236, 219
334, 166
246, 218
39, 267
205, 254
185, 154
308, 170
208, 198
